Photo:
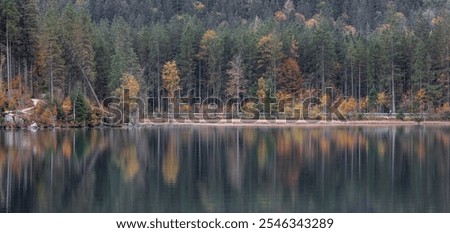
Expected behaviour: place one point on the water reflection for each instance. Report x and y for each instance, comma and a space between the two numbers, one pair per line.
202, 169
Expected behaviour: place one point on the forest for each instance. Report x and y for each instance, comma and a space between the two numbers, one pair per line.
381, 56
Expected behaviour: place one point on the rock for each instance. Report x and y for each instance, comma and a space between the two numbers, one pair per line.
9, 118
33, 126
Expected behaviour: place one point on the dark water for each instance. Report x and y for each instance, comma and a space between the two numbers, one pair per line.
207, 169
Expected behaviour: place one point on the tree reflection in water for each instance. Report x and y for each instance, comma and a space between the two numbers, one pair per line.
219, 169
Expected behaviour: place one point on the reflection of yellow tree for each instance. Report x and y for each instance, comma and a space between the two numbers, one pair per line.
208, 201
2, 158
381, 146
262, 154
284, 143
290, 170
129, 163
171, 163
324, 146
249, 136
67, 147
421, 151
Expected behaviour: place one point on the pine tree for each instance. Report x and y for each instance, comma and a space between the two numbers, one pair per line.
102, 60
28, 37
81, 107
124, 59
189, 41
270, 54
10, 16
236, 84
324, 45
50, 63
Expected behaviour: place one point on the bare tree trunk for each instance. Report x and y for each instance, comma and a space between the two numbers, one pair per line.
359, 87
8, 61
322, 56
158, 81
393, 76
31, 83
19, 77
2, 61
346, 82
200, 79
26, 74
90, 86
51, 79
393, 88
84, 88
448, 73
352, 78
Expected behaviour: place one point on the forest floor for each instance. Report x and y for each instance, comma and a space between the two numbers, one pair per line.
25, 110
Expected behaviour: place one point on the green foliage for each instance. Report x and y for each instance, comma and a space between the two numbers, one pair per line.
400, 115
360, 117
82, 109
360, 48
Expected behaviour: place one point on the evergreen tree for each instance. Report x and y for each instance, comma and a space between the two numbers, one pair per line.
10, 16
124, 59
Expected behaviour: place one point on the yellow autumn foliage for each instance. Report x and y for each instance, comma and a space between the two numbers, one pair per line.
382, 98
130, 83
350, 30
280, 16
349, 106
46, 118
311, 23
171, 78
262, 89
67, 106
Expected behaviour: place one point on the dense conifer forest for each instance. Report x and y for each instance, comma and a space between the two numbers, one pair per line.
382, 56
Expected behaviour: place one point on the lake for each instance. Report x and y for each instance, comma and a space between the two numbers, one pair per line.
166, 169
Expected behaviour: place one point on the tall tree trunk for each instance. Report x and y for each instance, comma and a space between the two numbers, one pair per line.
393, 76
31, 83
159, 79
25, 78
200, 79
359, 87
346, 82
19, 77
352, 78
51, 79
448, 72
8, 62
393, 87
322, 64
2, 60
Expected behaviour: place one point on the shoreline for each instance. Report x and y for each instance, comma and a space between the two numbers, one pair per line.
251, 123
287, 123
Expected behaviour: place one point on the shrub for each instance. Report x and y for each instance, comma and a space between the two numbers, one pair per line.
360, 117
400, 116
444, 111
82, 109
46, 118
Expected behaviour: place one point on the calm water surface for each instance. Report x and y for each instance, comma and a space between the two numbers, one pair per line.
208, 169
